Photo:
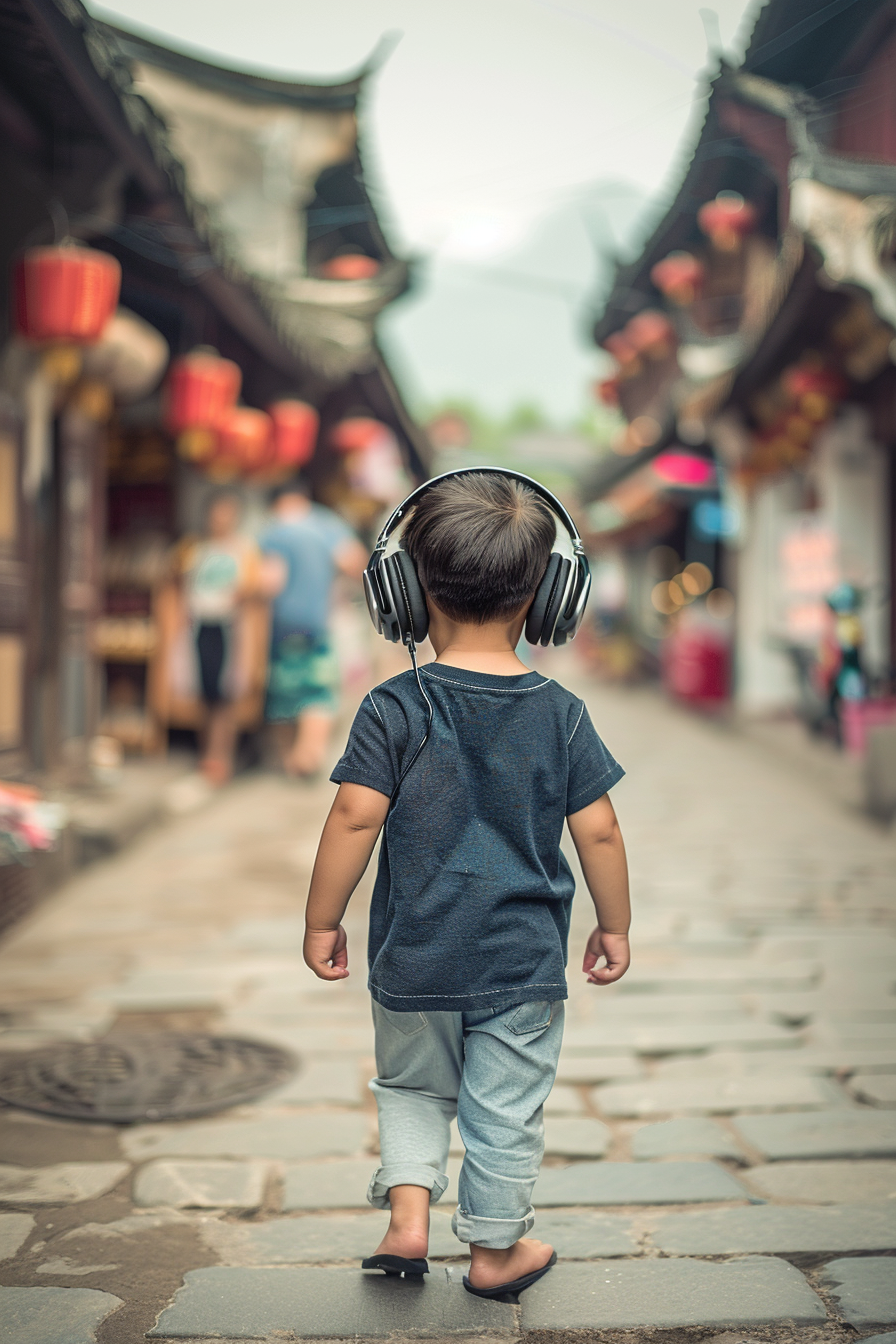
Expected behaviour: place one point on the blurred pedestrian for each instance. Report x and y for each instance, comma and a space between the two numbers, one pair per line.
220, 571
305, 547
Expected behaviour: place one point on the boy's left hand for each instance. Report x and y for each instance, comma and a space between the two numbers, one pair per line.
614, 947
326, 952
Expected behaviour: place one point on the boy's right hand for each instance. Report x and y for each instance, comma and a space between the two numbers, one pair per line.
326, 952
613, 946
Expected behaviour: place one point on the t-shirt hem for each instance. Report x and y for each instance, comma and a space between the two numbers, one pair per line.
345, 775
597, 790
549, 991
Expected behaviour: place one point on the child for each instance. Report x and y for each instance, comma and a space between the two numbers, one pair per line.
470, 912
219, 572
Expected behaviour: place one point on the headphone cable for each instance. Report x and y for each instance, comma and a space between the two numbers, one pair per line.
412, 650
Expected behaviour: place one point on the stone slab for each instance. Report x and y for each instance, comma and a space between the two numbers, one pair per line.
316, 1239
772, 1230
314, 1134
317, 1303
201, 1185
836, 1133
576, 1136
564, 1101
53, 1315
579, 1235
64, 1183
635, 1183
738, 975
718, 1096
691, 1137
598, 1068
804, 1059
341, 1185
321, 1082
878, 1089
661, 1037
15, 1229
670, 1294
839, 1181
865, 1289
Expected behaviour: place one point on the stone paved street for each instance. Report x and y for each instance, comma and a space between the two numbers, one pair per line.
721, 1140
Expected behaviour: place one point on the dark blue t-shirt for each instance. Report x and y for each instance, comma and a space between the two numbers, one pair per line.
472, 899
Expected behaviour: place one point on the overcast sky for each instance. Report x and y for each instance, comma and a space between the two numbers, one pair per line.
510, 141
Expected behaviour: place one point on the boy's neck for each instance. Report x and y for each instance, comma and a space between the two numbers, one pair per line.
489, 648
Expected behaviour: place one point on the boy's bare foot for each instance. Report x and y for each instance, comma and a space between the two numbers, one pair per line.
490, 1268
408, 1234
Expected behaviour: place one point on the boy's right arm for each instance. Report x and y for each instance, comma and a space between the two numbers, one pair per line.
349, 836
598, 841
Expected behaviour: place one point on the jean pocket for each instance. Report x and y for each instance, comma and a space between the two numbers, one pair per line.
529, 1017
407, 1023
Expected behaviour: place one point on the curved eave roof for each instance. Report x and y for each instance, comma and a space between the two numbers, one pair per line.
241, 84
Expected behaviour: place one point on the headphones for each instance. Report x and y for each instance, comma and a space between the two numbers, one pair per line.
395, 597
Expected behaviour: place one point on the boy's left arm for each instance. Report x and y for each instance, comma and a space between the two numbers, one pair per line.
349, 836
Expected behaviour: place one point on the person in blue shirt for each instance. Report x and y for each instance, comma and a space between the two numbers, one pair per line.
470, 913
305, 546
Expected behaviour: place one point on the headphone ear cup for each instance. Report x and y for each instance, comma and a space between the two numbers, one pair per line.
537, 620
411, 609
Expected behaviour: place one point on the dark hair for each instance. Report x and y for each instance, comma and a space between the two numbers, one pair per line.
481, 544
297, 485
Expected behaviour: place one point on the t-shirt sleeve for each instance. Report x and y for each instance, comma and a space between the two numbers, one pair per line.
367, 758
592, 770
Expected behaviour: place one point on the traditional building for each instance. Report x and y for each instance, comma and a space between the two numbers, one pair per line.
237, 210
755, 332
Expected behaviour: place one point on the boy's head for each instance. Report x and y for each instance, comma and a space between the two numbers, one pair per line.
223, 513
481, 544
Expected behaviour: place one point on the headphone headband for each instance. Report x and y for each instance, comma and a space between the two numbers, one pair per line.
397, 515
397, 603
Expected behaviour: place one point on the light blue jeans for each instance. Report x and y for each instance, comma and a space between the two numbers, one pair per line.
493, 1069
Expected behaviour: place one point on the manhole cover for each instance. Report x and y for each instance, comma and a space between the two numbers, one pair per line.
144, 1076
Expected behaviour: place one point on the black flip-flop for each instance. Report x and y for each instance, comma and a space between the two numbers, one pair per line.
510, 1292
396, 1264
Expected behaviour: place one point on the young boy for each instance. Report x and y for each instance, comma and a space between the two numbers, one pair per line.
470, 912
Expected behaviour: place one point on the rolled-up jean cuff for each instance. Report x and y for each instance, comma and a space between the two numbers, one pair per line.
383, 1179
494, 1233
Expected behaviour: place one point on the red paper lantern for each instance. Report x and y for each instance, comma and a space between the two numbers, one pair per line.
607, 391
245, 440
650, 332
295, 425
815, 389
201, 388
350, 266
356, 434
679, 277
726, 220
620, 347
65, 293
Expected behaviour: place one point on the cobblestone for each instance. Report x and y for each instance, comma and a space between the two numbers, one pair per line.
312, 1303
15, 1228
53, 1315
840, 1133
570, 1136
635, 1183
318, 1134
834, 1182
64, 1183
669, 1294
721, 1096
865, 1289
685, 1138
773, 1230
201, 1185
